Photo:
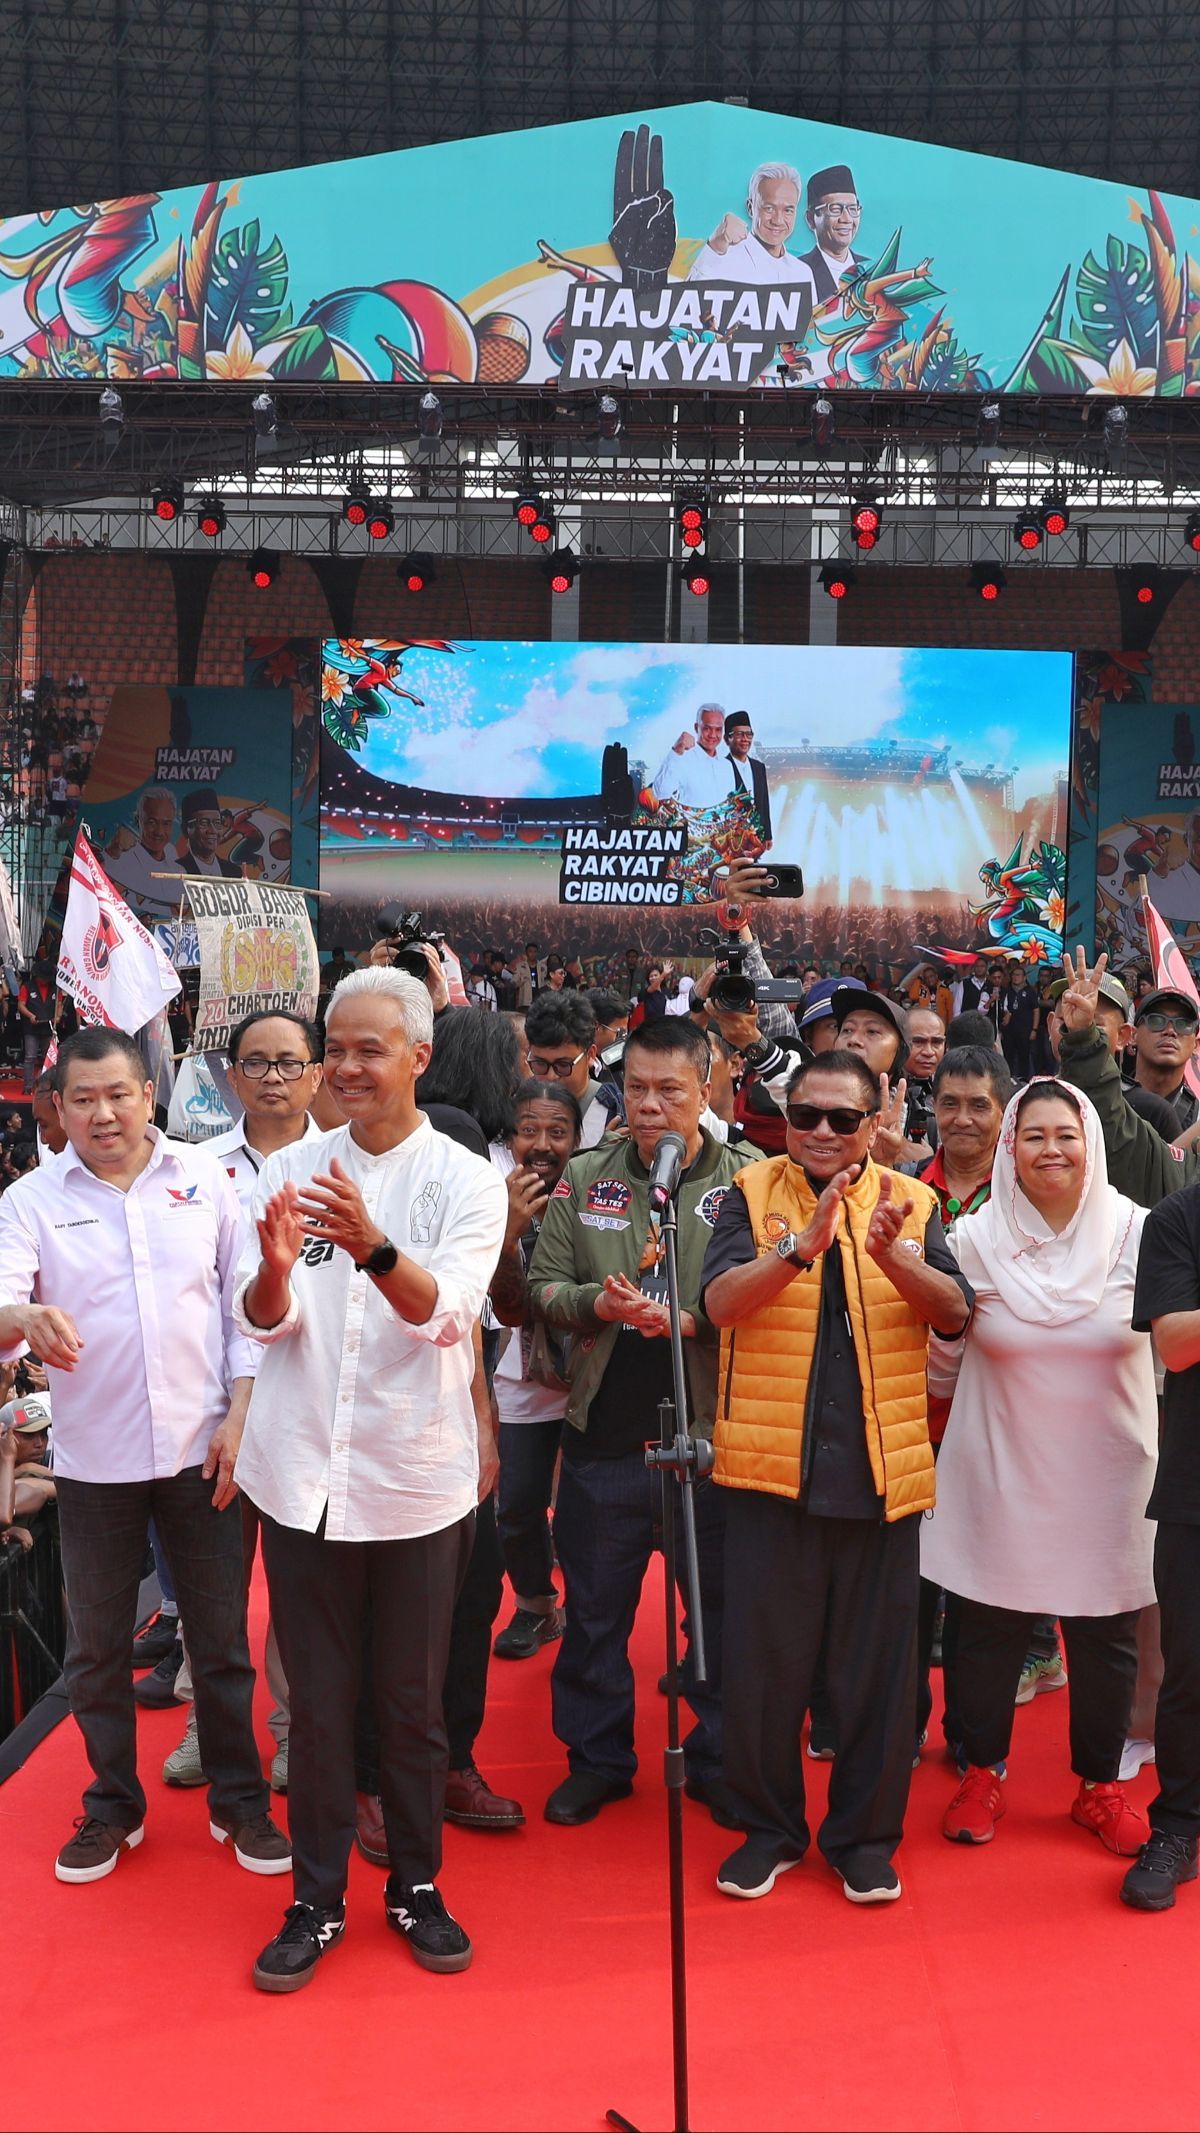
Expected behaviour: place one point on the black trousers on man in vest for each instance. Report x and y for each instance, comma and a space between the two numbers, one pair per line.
796, 1584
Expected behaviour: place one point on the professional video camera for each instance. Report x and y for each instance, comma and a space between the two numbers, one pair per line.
732, 992
404, 932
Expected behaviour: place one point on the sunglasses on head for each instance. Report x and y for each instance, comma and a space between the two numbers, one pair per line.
840, 1119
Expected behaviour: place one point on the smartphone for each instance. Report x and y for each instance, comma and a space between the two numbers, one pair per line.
784, 880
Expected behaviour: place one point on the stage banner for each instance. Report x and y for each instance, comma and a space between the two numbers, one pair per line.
257, 955
700, 246
591, 795
1148, 825
190, 783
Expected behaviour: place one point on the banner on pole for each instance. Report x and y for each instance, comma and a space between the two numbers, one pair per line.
257, 955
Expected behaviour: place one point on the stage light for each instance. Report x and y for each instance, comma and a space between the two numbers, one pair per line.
608, 415
167, 502
430, 419
210, 517
865, 522
356, 506
1056, 517
542, 529
691, 516
1143, 593
381, 522
1116, 435
265, 419
263, 568
562, 569
822, 419
987, 428
837, 579
988, 580
527, 509
697, 577
1028, 532
112, 412
1191, 531
416, 573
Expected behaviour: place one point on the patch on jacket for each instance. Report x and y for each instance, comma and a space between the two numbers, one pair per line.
609, 1196
595, 1221
710, 1206
775, 1226
1177, 1153
562, 1190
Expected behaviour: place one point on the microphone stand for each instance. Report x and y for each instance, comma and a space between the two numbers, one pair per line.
686, 1460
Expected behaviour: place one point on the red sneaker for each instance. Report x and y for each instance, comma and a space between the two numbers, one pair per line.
976, 1808
1105, 1810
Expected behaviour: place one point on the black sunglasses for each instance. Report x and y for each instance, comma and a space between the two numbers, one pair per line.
842, 1120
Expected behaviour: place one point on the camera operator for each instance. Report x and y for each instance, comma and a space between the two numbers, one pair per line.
764, 1032
597, 1275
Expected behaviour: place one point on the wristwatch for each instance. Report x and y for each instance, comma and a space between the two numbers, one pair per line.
380, 1261
788, 1248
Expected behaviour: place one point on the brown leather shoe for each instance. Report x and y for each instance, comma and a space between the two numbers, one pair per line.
369, 1832
471, 1802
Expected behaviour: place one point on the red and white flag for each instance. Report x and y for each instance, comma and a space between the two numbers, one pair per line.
112, 968
1170, 969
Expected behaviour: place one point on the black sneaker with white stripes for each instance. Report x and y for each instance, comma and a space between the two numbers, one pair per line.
288, 1961
437, 1940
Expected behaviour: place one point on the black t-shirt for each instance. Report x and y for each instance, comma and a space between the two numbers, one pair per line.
623, 1414
837, 1481
1168, 1279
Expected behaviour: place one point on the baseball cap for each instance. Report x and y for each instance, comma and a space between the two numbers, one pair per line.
1167, 996
1110, 988
845, 1001
28, 1417
818, 1000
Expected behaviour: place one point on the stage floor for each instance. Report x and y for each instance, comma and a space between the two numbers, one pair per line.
1008, 1987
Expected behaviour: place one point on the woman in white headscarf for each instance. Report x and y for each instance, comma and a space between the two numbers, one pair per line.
1048, 1459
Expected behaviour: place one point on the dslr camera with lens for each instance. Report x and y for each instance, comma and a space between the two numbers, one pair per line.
404, 933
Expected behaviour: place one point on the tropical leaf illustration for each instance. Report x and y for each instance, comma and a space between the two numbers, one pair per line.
248, 286
1049, 327
1116, 302
304, 352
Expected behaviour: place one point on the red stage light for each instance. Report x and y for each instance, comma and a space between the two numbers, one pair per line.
414, 582
693, 536
166, 504
865, 518
381, 522
836, 588
528, 511
355, 510
989, 590
263, 568
542, 531
698, 584
1191, 531
560, 582
210, 518
988, 580
1055, 520
691, 517
1145, 594
865, 537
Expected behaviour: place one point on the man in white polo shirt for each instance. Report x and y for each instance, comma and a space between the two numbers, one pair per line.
361, 1451
128, 1245
274, 1072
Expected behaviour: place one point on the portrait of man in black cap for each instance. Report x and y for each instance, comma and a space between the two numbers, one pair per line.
749, 775
833, 213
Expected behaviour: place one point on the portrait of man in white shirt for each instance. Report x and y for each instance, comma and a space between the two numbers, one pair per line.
137, 871
696, 770
373, 1252
755, 252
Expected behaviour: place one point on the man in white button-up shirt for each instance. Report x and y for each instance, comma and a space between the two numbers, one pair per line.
374, 1252
696, 770
128, 1244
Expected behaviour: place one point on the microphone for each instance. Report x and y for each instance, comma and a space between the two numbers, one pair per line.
665, 1170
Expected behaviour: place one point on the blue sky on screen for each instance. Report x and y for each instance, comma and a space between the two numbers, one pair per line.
521, 720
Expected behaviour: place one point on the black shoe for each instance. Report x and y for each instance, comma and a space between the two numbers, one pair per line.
581, 1796
664, 1684
868, 1880
714, 1794
752, 1870
1157, 1871
527, 1632
156, 1691
437, 1940
156, 1641
288, 1961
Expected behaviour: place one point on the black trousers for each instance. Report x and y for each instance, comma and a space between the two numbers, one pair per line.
1101, 1661
1177, 1724
320, 1590
794, 1583
465, 1687
927, 1618
104, 1528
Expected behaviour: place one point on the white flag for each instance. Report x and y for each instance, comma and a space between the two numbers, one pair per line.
113, 970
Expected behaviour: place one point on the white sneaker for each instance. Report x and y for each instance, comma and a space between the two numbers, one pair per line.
279, 1767
1133, 1755
1040, 1675
183, 1766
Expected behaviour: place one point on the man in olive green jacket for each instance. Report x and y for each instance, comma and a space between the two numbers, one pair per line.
1141, 1164
598, 1275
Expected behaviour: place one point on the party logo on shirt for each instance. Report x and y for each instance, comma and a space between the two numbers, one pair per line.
608, 1196
422, 1212
710, 1206
182, 1199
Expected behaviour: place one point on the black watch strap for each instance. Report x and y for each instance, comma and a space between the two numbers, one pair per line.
380, 1261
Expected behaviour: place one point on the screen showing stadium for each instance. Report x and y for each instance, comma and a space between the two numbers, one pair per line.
593, 795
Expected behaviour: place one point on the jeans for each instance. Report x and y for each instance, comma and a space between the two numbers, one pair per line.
607, 1525
528, 1451
104, 1528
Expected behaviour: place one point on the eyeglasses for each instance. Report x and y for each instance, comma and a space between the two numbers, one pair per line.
842, 1120
256, 1068
561, 1069
1155, 1021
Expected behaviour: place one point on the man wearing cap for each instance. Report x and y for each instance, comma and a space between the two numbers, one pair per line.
749, 774
26, 1483
1164, 1036
1141, 1164
833, 214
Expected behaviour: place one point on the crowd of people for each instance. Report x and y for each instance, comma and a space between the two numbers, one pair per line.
938, 1254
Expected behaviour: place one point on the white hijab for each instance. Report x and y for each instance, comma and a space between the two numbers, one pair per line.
1044, 1278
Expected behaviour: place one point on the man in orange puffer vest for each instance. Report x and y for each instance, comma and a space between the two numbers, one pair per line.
826, 1274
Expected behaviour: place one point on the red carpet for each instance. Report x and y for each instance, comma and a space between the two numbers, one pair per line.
1008, 1987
